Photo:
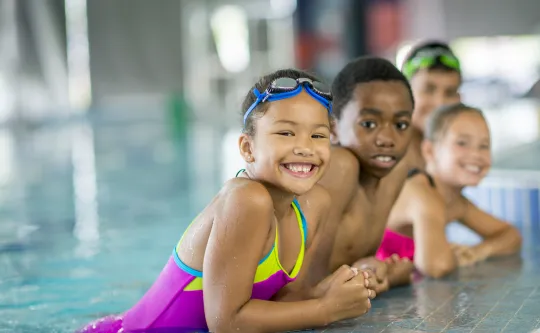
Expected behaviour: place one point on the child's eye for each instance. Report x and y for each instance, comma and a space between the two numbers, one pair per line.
402, 125
286, 133
318, 136
461, 143
484, 147
368, 124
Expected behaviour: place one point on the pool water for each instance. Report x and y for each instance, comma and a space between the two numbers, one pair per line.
89, 214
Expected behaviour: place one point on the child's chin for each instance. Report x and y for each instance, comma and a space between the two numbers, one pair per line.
471, 183
301, 190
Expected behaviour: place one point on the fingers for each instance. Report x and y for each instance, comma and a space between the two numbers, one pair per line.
345, 273
370, 281
381, 270
371, 294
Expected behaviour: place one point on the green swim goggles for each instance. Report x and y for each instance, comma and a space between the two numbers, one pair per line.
427, 58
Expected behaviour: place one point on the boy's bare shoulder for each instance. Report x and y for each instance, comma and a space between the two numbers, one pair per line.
344, 159
344, 168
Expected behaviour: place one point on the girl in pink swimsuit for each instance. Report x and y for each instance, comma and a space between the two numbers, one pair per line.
250, 241
457, 153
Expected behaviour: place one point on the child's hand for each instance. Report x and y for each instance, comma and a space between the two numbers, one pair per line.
347, 295
467, 255
400, 270
379, 269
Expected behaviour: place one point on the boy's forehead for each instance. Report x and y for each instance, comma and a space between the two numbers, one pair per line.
382, 92
435, 76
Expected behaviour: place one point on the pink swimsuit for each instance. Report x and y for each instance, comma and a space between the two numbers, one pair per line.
399, 244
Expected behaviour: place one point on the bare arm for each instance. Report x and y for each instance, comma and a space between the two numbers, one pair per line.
433, 255
315, 205
341, 182
238, 236
500, 238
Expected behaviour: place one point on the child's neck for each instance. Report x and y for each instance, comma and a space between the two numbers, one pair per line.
369, 183
450, 193
282, 201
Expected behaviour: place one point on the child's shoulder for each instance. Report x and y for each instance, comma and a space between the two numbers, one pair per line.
246, 192
345, 159
342, 170
419, 189
315, 204
318, 197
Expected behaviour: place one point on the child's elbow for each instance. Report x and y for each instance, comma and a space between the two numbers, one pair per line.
517, 239
232, 321
437, 269
223, 325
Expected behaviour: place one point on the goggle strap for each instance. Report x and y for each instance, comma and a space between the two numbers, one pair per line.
256, 92
260, 97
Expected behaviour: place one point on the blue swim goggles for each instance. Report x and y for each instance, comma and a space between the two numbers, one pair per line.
287, 87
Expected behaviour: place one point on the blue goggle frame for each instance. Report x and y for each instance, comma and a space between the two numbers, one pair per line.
286, 87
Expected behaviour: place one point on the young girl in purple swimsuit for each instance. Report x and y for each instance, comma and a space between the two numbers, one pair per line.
250, 240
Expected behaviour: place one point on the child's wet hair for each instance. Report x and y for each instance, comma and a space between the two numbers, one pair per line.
364, 70
261, 86
429, 45
440, 120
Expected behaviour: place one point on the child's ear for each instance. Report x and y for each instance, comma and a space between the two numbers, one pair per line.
245, 144
427, 150
334, 138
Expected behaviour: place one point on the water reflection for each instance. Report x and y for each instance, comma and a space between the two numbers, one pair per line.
86, 229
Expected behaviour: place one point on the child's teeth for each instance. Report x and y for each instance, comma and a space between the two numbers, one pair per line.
304, 168
384, 158
472, 168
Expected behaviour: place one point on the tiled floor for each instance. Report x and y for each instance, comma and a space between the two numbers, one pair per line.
89, 214
497, 296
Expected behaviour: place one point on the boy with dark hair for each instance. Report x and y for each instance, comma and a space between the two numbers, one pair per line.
435, 75
373, 105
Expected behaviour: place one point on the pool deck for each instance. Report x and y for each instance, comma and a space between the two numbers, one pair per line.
496, 296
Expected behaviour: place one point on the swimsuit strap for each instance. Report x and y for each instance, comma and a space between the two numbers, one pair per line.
413, 172
239, 172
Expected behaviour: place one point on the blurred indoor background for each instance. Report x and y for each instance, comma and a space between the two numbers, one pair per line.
119, 121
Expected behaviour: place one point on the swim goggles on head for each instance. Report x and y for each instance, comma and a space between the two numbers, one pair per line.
287, 87
427, 58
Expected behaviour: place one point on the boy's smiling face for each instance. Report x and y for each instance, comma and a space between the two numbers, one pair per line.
375, 125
